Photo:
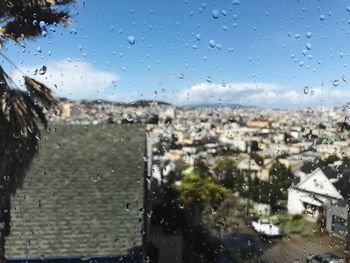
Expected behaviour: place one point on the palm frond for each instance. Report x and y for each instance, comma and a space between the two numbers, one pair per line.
21, 113
39, 91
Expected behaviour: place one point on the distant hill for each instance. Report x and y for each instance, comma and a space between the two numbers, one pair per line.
138, 103
216, 105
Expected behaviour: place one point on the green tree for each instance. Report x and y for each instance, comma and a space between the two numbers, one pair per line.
201, 168
196, 193
280, 179
330, 159
22, 111
226, 171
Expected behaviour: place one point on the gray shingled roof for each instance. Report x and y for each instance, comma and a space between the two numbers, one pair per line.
82, 195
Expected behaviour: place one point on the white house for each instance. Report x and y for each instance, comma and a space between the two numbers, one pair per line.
313, 191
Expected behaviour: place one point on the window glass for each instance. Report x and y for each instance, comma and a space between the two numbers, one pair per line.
174, 131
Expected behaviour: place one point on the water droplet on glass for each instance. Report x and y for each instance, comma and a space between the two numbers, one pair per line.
308, 34
42, 70
236, 2
224, 13
209, 79
129, 118
212, 43
322, 17
308, 46
181, 76
336, 83
127, 205
297, 36
131, 40
96, 178
214, 209
215, 13
306, 90
348, 8
198, 37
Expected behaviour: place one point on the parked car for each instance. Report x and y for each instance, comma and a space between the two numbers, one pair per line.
266, 228
324, 258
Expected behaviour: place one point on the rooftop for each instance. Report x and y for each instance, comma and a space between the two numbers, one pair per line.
83, 195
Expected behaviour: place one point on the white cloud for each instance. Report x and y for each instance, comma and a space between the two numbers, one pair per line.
259, 94
72, 79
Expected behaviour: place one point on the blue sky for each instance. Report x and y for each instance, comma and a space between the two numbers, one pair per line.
191, 52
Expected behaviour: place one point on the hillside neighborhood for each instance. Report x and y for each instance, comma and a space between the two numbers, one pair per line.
287, 165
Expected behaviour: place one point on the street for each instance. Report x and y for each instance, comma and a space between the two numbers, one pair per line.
286, 249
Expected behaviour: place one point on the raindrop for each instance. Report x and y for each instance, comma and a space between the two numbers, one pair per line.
209, 79
181, 76
236, 2
297, 36
308, 34
215, 13
214, 209
181, 206
212, 43
336, 83
322, 17
127, 205
308, 46
131, 40
224, 13
306, 90
198, 37
301, 63
96, 179
348, 8
129, 118
42, 70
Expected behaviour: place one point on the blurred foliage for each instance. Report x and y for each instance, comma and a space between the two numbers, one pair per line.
29, 18
201, 167
330, 159
297, 225
195, 193
226, 171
